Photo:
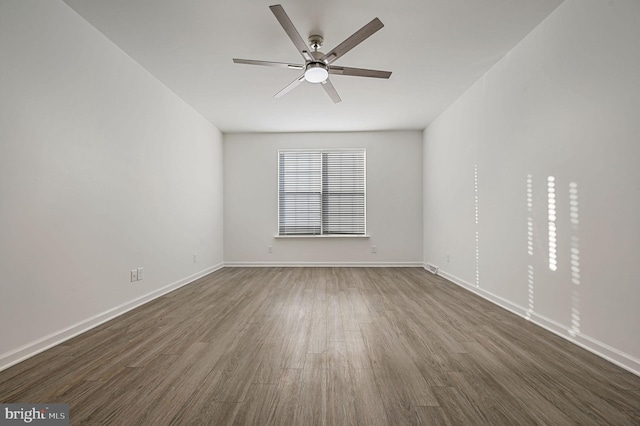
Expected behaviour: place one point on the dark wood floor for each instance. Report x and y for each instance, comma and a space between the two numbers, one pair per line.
313, 346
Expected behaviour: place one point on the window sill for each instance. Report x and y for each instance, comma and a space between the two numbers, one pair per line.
322, 236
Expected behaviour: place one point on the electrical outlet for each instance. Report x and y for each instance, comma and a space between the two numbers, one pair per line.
195, 258
374, 249
140, 274
134, 275
448, 257
270, 249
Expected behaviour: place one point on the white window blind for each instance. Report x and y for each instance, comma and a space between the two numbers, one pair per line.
300, 192
321, 192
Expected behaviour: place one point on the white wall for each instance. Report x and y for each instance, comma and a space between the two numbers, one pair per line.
394, 201
564, 103
102, 170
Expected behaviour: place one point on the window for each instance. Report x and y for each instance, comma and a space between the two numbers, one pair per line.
321, 192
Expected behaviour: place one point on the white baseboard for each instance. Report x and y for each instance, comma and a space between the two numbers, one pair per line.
323, 264
594, 346
27, 351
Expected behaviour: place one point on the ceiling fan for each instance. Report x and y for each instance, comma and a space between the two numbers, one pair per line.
318, 65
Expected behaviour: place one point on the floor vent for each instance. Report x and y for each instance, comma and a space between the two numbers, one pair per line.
431, 268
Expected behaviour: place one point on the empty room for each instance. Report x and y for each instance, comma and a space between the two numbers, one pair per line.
320, 213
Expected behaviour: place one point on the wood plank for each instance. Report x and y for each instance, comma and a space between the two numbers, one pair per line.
257, 406
428, 416
368, 399
312, 407
287, 398
335, 327
341, 405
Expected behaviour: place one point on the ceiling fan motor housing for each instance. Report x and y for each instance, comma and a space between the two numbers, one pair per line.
315, 41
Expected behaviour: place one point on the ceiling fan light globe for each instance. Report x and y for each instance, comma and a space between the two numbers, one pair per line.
315, 73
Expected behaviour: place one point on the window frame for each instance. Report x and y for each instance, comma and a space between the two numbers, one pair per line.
321, 151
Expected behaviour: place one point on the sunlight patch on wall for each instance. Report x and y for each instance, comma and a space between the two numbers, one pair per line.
574, 215
529, 215
475, 178
551, 202
475, 186
530, 286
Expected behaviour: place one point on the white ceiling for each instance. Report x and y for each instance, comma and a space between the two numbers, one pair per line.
435, 48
